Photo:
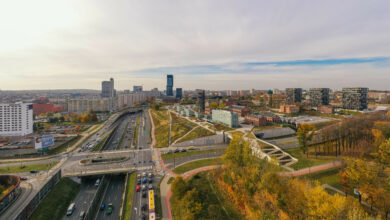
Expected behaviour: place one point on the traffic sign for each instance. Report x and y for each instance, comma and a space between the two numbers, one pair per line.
356, 191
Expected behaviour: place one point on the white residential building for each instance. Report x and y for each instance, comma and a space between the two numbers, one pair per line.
16, 119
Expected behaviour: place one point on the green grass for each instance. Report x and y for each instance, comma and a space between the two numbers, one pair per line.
213, 203
196, 164
304, 162
196, 133
180, 127
161, 123
221, 127
27, 168
129, 196
98, 146
54, 206
189, 153
328, 176
157, 195
64, 146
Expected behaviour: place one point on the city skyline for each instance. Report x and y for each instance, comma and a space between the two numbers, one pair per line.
234, 46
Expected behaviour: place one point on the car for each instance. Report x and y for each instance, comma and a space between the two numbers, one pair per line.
97, 182
143, 187
143, 174
138, 181
144, 180
143, 217
34, 171
144, 194
102, 206
138, 176
70, 209
109, 209
183, 150
150, 180
150, 175
169, 152
144, 207
150, 186
137, 189
82, 215
176, 151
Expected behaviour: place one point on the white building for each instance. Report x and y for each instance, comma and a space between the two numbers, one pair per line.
16, 119
130, 99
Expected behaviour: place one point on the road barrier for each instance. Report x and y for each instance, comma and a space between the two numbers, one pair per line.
95, 205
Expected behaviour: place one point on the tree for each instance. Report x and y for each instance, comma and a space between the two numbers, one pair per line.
213, 105
305, 134
221, 105
382, 156
77, 128
179, 187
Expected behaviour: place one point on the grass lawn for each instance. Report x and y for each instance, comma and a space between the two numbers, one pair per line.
27, 168
56, 203
213, 203
180, 127
328, 176
129, 196
196, 164
221, 127
188, 153
304, 162
196, 133
157, 195
161, 123
63, 147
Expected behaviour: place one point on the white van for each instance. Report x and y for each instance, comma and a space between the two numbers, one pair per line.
70, 209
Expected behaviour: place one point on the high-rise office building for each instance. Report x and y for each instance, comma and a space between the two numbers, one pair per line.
179, 93
169, 85
16, 119
201, 99
319, 96
108, 90
137, 89
354, 98
293, 95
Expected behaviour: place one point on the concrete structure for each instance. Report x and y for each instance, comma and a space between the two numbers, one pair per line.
225, 117
256, 120
179, 93
137, 89
130, 99
201, 100
293, 95
169, 85
98, 105
108, 90
242, 111
354, 98
289, 109
318, 96
16, 119
327, 109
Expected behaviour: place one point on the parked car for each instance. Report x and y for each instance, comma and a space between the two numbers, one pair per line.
109, 209
150, 180
143, 187
138, 181
150, 175
177, 151
143, 174
34, 171
144, 180
144, 207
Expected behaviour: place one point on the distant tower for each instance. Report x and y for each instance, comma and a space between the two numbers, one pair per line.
201, 100
108, 90
270, 97
169, 85
179, 93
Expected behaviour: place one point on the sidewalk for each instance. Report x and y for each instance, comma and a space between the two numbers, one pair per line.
312, 169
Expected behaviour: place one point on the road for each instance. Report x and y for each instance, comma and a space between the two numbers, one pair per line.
113, 195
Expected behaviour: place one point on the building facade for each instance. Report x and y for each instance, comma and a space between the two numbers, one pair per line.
327, 109
98, 105
256, 120
242, 111
179, 93
130, 99
354, 98
16, 119
201, 100
289, 109
319, 96
225, 117
108, 90
137, 89
169, 85
293, 95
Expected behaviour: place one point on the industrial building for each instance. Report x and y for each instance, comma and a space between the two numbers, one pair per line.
108, 90
354, 98
225, 117
16, 119
318, 96
293, 95
169, 85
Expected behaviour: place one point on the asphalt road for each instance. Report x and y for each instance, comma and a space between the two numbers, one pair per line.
113, 195
84, 197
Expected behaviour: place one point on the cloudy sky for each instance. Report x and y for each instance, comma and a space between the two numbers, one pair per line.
204, 43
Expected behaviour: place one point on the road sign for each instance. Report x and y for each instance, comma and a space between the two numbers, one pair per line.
356, 191
145, 132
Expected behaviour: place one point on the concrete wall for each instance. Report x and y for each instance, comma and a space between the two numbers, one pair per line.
204, 141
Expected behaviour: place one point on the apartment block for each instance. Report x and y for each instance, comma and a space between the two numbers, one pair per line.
319, 96
16, 119
293, 95
354, 98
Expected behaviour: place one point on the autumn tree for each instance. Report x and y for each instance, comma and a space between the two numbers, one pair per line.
213, 105
305, 134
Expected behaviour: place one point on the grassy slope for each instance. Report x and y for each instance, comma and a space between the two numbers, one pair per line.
54, 206
196, 133
188, 153
27, 168
304, 162
129, 196
180, 127
328, 176
63, 147
196, 164
161, 123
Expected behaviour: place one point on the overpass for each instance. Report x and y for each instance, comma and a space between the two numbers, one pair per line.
106, 171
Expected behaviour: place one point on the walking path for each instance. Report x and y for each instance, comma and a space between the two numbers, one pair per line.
312, 169
152, 123
184, 135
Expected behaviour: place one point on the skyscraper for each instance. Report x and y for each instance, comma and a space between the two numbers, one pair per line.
169, 85
137, 89
201, 100
355, 98
293, 95
179, 93
108, 89
319, 96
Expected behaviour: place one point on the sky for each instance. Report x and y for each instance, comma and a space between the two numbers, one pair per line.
205, 44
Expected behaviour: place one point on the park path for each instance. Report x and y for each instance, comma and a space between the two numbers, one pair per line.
312, 169
152, 123
184, 135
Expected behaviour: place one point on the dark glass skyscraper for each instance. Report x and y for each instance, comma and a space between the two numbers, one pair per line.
169, 85
201, 100
179, 93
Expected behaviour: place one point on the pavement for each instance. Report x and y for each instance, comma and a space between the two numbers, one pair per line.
312, 169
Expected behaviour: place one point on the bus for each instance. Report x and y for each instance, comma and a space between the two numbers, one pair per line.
152, 214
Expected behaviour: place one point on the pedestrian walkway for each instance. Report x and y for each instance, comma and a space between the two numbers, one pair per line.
312, 169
